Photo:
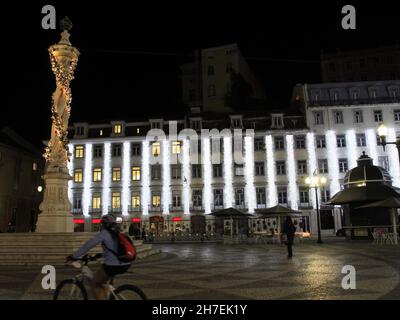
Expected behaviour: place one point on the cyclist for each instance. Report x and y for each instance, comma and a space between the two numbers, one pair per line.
112, 266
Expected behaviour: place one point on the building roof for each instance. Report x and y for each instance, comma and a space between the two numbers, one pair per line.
12, 139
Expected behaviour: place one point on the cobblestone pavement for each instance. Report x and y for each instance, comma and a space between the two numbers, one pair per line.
217, 271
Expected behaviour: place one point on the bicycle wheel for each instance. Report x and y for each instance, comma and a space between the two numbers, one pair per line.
70, 289
128, 292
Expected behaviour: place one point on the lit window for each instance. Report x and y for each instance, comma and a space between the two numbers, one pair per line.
96, 201
135, 173
156, 149
117, 128
79, 150
116, 174
101, 133
78, 175
176, 147
396, 115
135, 200
156, 200
34, 166
97, 174
116, 200
137, 130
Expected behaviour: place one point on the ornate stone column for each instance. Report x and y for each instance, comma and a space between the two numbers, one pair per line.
56, 209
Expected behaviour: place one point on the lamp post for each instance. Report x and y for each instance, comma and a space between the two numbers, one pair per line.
314, 182
382, 133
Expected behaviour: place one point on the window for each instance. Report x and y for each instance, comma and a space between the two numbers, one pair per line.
196, 171
195, 124
156, 200
116, 174
260, 196
396, 115
176, 147
34, 166
218, 197
100, 133
135, 200
323, 166
279, 143
361, 141
217, 170
300, 142
156, 172
343, 165
136, 149
229, 67
210, 70
259, 168
97, 151
116, 150
373, 93
79, 152
211, 90
116, 200
335, 95
301, 167
239, 170
338, 117
394, 92
318, 117
355, 94
239, 197
176, 171
97, 174
78, 175
135, 173
236, 123
258, 144
77, 203
280, 167
378, 116
282, 195
277, 121
358, 116
321, 143
96, 201
325, 195
176, 201
304, 195
340, 141
197, 198
156, 149
383, 161
80, 131
117, 129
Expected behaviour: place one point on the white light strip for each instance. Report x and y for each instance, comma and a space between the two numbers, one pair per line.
228, 173
87, 179
106, 177
70, 166
312, 162
371, 144
250, 190
271, 174
166, 170
186, 176
145, 172
394, 167
207, 169
351, 148
126, 165
291, 164
333, 161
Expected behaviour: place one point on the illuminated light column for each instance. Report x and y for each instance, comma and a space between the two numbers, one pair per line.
87, 179
166, 169
145, 195
394, 168
106, 177
250, 190
186, 179
228, 173
351, 148
372, 145
70, 166
207, 168
291, 164
126, 165
312, 163
271, 174
333, 161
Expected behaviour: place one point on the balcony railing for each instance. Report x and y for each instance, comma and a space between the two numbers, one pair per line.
114, 210
196, 208
132, 209
77, 211
155, 208
173, 208
351, 102
94, 211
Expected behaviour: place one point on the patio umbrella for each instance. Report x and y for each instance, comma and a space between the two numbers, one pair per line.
231, 213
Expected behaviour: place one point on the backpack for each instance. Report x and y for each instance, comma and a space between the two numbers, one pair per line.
126, 249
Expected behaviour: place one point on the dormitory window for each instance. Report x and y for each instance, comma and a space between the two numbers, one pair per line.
176, 147
340, 141
325, 195
378, 116
303, 196
78, 175
196, 171
358, 116
176, 201
396, 115
80, 131
239, 170
280, 168
258, 144
135, 173
321, 143
116, 174
211, 90
135, 200
279, 144
318, 117
282, 195
96, 201
218, 197
259, 167
277, 121
237, 123
97, 151
260, 196
300, 142
338, 117
239, 197
323, 166
195, 124
77, 203
302, 167
97, 175
361, 142
156, 149
117, 129
136, 149
116, 200
197, 198
217, 170
116, 150
343, 165
176, 171
156, 200
79, 152
156, 172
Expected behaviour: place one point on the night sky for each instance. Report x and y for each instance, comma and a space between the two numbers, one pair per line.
130, 54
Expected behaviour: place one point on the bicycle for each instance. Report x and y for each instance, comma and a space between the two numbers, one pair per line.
74, 288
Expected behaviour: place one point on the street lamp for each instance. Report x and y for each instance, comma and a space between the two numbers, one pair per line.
382, 133
315, 182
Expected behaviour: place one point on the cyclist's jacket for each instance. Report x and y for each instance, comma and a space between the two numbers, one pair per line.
108, 243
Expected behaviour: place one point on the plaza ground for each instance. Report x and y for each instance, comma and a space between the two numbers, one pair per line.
217, 271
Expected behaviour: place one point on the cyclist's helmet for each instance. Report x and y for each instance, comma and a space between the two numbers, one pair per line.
108, 221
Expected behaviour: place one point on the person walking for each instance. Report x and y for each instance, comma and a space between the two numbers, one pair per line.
289, 229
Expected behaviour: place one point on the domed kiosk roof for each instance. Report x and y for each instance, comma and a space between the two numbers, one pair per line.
366, 173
